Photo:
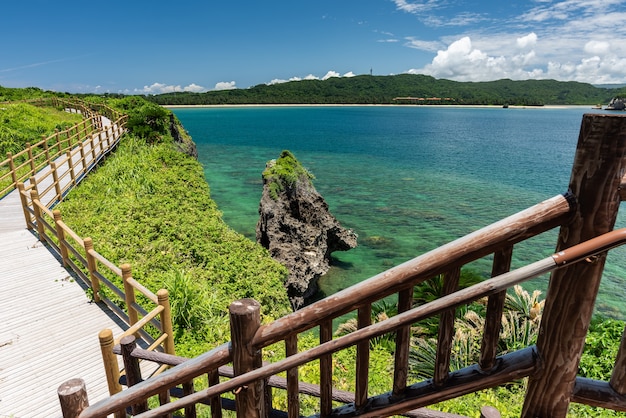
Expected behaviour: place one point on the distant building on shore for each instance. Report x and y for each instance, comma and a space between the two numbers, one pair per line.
422, 100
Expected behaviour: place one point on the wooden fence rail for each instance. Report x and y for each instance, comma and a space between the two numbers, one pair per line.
36, 156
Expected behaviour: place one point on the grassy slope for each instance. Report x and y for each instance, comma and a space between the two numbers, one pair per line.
21, 123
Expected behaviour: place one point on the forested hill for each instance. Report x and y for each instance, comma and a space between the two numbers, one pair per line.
404, 88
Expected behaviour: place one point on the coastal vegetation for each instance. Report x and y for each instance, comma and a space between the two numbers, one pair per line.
150, 205
402, 89
283, 173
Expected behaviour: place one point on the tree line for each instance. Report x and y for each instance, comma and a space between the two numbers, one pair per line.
367, 89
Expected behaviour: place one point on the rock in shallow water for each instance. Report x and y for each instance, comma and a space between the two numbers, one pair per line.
297, 228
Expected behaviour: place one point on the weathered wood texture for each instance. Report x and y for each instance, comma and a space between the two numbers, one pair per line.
245, 319
618, 377
403, 342
596, 393
73, 397
495, 308
446, 329
133, 372
596, 176
509, 367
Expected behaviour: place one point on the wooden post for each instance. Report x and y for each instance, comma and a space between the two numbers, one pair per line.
489, 412
188, 389
83, 163
495, 308
34, 198
70, 165
31, 160
245, 319
618, 377
24, 200
46, 149
166, 321
326, 370
60, 236
12, 168
109, 360
73, 398
364, 319
403, 344
92, 267
446, 329
133, 372
129, 294
58, 139
93, 149
215, 401
596, 175
55, 179
293, 381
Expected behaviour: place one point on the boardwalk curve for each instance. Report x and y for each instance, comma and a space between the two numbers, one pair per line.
48, 325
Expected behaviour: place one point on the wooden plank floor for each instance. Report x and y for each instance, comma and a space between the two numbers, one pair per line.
48, 326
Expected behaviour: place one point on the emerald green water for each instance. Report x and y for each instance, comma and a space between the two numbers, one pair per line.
406, 179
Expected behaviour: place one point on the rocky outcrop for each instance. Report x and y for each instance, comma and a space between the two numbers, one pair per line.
297, 228
182, 140
617, 103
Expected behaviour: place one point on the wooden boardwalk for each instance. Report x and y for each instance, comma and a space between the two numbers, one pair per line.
48, 326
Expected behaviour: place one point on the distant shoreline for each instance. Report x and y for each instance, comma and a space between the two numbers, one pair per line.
381, 105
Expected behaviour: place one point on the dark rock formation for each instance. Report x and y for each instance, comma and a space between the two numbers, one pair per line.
297, 227
617, 103
183, 141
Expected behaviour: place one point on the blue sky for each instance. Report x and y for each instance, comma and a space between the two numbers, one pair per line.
151, 47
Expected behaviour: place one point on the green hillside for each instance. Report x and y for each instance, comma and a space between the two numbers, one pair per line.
366, 89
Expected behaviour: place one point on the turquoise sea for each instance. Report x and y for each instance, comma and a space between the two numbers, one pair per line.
406, 179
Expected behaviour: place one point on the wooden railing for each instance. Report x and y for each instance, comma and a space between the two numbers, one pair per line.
54, 166
96, 273
586, 215
91, 138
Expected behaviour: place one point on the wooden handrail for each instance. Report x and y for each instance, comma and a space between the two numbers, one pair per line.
489, 287
37, 156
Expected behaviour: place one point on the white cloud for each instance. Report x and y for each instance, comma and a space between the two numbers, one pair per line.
556, 55
527, 41
160, 88
328, 75
429, 46
570, 40
194, 88
462, 61
331, 74
415, 8
597, 47
225, 85
460, 19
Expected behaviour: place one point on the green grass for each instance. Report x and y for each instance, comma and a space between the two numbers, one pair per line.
150, 206
21, 123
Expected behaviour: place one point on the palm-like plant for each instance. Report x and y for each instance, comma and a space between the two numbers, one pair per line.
520, 327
